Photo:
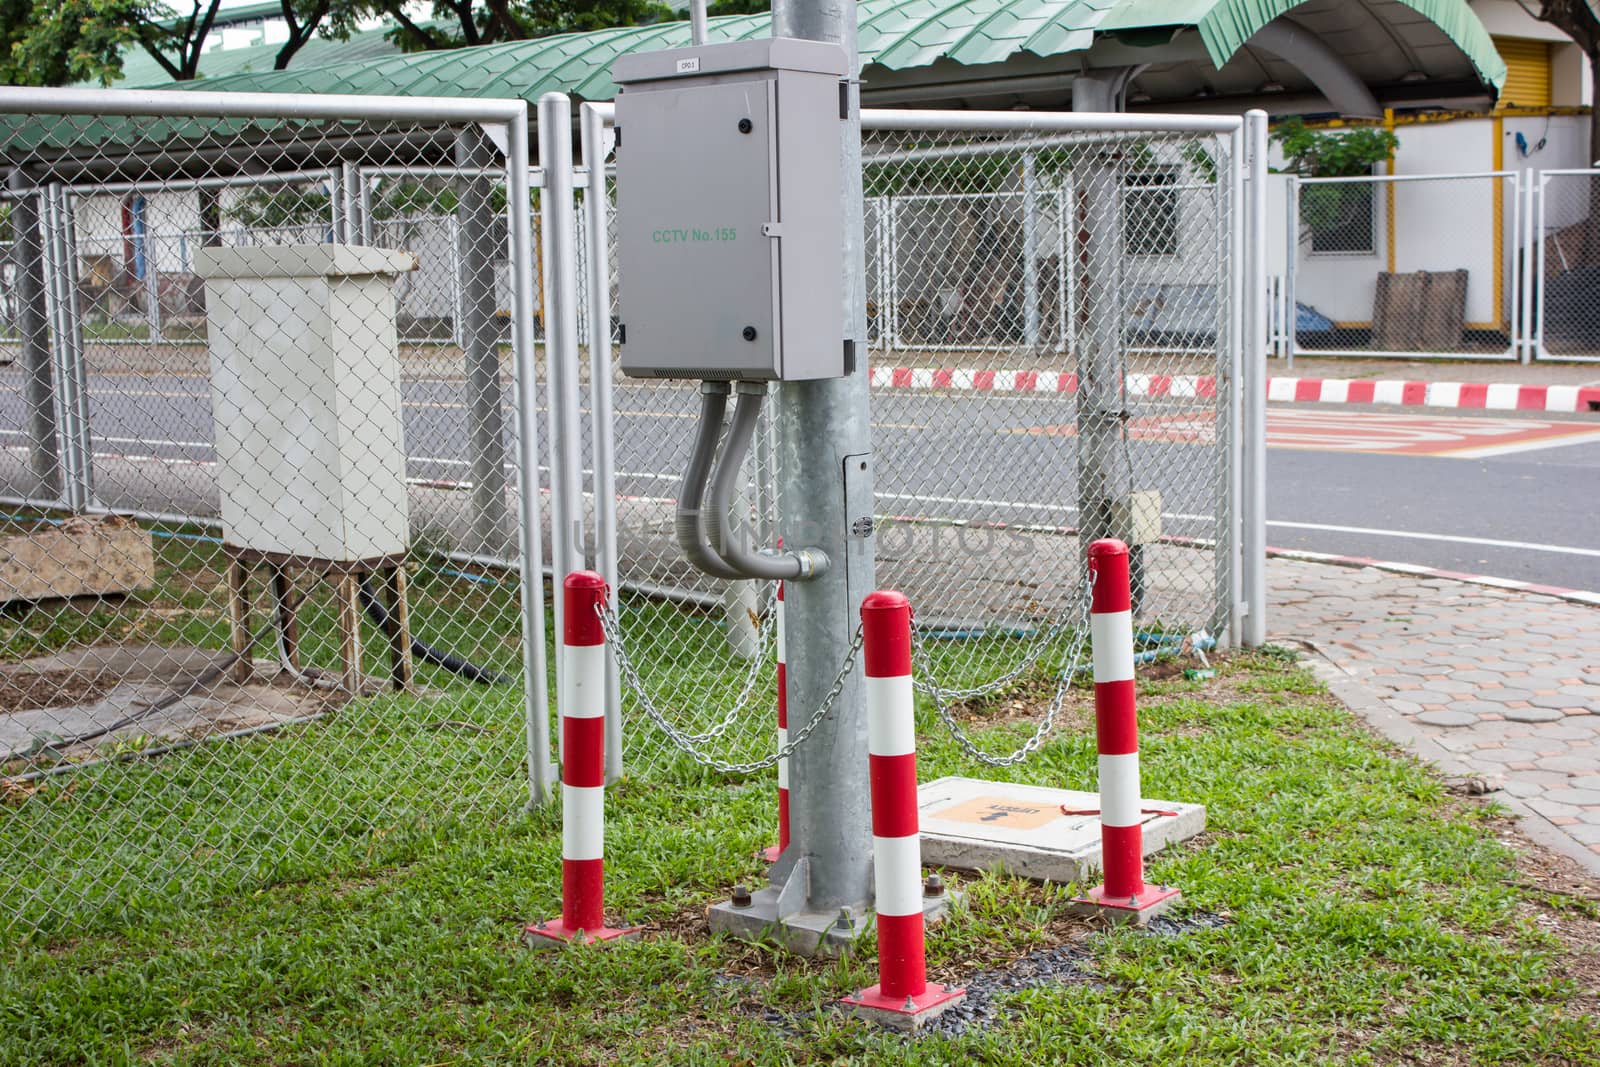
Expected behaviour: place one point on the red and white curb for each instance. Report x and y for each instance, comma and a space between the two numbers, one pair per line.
1498, 396
1587, 597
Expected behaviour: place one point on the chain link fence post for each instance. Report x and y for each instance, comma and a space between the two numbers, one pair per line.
1253, 383
33, 331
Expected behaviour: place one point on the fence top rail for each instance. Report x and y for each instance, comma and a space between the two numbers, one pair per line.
176, 185
1019, 121
1575, 172
178, 104
434, 172
1045, 121
1363, 179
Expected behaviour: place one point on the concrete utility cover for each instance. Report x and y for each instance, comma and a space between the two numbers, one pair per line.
975, 825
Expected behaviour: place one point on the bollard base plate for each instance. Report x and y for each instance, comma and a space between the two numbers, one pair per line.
805, 933
555, 933
770, 854
904, 1013
1138, 910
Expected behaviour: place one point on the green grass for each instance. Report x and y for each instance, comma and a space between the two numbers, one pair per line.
1373, 919
351, 890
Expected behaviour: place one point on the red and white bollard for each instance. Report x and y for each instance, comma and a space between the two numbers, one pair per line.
582, 701
774, 851
903, 997
1123, 894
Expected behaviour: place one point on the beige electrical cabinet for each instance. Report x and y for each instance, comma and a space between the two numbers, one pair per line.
305, 397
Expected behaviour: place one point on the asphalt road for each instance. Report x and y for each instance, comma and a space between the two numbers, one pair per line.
1532, 516
1529, 510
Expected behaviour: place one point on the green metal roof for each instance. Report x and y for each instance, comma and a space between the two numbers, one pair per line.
894, 34
139, 69
1225, 25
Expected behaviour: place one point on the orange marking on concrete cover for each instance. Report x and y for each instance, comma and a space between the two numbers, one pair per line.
1009, 812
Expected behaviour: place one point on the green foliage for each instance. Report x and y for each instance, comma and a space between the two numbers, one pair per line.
59, 42
65, 41
264, 209
736, 7
391, 199
1339, 215
454, 24
1370, 918
1201, 161
1337, 153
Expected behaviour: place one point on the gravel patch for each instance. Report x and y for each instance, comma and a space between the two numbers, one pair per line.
984, 1005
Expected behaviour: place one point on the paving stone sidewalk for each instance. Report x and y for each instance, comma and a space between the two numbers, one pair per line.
1491, 683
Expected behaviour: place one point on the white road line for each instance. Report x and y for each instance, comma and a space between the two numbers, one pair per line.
1522, 446
1489, 542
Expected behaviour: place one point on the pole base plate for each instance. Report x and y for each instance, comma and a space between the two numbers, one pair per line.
770, 854
904, 1013
1138, 910
805, 933
555, 932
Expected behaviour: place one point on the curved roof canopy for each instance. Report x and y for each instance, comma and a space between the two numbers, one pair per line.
912, 48
1345, 56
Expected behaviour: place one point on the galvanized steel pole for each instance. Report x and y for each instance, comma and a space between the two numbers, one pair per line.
33, 328
825, 493
1230, 413
475, 257
1105, 472
535, 695
592, 120
558, 225
1254, 382
697, 21
71, 381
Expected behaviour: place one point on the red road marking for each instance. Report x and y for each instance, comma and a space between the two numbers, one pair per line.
1361, 431
1412, 435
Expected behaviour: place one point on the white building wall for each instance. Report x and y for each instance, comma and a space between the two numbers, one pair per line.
1443, 225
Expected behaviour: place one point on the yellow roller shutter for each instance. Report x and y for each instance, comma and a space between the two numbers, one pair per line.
1527, 72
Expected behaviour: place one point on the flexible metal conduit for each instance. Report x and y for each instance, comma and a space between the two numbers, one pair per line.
803, 563
690, 522
700, 526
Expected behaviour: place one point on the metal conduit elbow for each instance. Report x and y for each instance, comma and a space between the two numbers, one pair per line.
689, 522
800, 564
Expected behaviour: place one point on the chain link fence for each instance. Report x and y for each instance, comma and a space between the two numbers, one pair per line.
1051, 324
1382, 266
1566, 268
1049, 331
260, 615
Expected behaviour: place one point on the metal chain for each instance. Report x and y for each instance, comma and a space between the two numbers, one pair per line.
753, 677
1046, 724
687, 742
1036, 650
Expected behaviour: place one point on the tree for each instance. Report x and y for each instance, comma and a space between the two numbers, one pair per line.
1337, 216
463, 22
304, 18
58, 42
1580, 20
65, 41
